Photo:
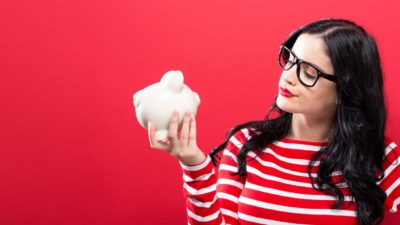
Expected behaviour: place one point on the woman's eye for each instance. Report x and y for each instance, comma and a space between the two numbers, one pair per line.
309, 75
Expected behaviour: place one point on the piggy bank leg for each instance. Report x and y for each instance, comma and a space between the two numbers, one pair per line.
161, 135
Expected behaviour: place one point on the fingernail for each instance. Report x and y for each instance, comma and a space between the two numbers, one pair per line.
175, 113
164, 141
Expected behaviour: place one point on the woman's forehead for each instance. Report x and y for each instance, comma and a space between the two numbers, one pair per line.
312, 48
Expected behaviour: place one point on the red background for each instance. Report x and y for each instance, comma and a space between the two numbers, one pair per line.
71, 149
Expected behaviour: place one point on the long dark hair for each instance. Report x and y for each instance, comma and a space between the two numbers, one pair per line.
356, 146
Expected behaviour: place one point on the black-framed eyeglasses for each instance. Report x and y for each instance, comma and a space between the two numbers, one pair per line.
307, 73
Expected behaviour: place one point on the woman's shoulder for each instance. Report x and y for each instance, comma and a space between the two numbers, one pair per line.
235, 144
240, 137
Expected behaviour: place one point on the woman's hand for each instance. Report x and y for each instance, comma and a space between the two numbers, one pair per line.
181, 144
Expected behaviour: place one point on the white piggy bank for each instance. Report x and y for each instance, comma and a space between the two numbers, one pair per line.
157, 102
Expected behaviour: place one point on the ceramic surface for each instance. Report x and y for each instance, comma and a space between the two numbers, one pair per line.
157, 102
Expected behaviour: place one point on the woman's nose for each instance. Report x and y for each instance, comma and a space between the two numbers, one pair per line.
290, 76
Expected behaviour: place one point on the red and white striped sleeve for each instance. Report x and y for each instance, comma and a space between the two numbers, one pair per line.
213, 198
391, 182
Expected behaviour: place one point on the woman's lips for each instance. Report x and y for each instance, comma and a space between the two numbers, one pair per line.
285, 92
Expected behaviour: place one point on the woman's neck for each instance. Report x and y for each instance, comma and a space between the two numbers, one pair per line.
308, 128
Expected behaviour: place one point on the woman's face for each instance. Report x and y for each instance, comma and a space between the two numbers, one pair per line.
319, 100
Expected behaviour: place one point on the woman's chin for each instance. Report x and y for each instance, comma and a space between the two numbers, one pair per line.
285, 106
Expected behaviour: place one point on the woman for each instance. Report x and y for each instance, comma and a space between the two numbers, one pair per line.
322, 159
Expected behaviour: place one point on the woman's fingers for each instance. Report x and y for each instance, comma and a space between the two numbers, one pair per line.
150, 132
192, 134
173, 129
177, 140
185, 129
152, 138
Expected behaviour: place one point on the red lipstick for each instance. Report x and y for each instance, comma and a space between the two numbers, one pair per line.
285, 92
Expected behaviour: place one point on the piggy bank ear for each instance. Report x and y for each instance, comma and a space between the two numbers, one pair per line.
196, 98
173, 80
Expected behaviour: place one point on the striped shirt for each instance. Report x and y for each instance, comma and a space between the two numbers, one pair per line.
277, 189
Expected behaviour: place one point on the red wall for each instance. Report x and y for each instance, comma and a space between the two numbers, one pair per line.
71, 149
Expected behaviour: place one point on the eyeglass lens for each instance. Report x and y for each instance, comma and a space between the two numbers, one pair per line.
307, 74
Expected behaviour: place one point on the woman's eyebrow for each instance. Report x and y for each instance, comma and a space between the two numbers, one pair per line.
316, 66
294, 53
